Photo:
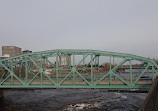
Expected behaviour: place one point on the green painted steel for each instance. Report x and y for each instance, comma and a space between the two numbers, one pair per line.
86, 70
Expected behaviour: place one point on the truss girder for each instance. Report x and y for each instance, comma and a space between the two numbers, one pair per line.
35, 70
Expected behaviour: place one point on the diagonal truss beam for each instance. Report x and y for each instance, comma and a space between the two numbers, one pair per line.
141, 74
112, 71
12, 73
74, 70
37, 66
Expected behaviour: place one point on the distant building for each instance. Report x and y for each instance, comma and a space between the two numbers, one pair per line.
2, 57
8, 51
26, 51
65, 60
156, 61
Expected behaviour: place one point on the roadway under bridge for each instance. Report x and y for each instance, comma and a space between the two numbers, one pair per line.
86, 69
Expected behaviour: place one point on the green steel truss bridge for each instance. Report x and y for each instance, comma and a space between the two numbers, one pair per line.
81, 69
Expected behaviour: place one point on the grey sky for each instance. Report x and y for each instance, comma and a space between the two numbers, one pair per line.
127, 26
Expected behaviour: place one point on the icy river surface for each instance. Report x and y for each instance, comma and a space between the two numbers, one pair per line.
70, 100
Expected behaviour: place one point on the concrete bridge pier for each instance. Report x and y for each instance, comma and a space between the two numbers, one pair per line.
1, 93
151, 101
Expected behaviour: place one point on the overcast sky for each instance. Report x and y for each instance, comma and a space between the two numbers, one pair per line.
126, 26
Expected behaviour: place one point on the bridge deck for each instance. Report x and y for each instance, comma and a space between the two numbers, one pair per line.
83, 83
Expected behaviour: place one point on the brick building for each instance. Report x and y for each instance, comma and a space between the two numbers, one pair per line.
65, 60
8, 51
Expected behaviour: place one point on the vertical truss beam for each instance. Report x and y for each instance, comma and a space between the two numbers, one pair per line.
98, 65
26, 70
92, 68
110, 73
74, 69
57, 69
130, 64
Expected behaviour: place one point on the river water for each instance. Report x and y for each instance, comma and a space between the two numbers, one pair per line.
70, 100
